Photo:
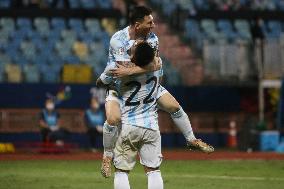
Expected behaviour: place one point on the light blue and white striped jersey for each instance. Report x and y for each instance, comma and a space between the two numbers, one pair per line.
120, 43
138, 100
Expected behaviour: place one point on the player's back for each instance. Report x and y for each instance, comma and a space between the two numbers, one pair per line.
139, 103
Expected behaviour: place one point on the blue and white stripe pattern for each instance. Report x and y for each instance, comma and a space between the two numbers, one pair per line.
143, 114
120, 43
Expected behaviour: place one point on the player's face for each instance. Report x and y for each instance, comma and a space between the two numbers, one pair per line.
144, 27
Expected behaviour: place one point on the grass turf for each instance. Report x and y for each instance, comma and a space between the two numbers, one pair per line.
176, 174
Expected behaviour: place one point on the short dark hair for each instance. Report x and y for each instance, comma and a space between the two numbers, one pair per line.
143, 54
138, 13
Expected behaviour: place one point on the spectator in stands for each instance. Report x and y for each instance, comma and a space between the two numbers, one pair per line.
50, 124
256, 30
94, 120
257, 35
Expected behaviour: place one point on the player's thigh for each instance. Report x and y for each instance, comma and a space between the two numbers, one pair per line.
112, 108
168, 103
150, 152
126, 149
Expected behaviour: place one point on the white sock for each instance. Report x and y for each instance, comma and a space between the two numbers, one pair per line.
181, 120
110, 134
121, 180
155, 180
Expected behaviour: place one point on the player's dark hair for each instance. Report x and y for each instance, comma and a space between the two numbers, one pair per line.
144, 54
138, 13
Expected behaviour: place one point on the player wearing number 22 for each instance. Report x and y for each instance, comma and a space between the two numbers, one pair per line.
139, 132
141, 24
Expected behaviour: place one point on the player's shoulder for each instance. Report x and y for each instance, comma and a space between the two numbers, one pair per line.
153, 40
152, 36
119, 37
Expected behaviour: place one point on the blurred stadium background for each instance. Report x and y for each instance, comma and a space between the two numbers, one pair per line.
223, 60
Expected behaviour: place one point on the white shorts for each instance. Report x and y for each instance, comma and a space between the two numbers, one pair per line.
137, 140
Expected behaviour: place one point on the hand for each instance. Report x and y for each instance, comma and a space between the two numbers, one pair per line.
156, 64
120, 71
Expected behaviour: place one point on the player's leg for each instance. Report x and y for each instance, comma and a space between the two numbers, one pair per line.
151, 158
110, 131
121, 179
155, 180
169, 104
111, 126
125, 153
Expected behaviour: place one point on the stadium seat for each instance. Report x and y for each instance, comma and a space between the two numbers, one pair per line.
86, 4
191, 28
13, 72
77, 73
274, 29
4, 38
76, 25
20, 59
7, 24
50, 72
106, 4
58, 23
28, 49
243, 29
92, 25
42, 26
74, 4
209, 28
63, 49
24, 23
86, 37
69, 37
4, 59
31, 73
80, 49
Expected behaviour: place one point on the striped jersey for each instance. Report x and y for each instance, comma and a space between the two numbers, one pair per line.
138, 100
120, 44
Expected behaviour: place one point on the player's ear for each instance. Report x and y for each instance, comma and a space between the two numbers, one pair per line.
136, 25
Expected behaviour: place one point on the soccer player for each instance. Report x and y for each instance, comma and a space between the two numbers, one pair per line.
141, 25
139, 131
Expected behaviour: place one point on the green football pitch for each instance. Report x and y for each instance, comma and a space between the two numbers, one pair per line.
40, 174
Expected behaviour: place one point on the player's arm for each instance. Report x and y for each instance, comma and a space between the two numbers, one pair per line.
122, 71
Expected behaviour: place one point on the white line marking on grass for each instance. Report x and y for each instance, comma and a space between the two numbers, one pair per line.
220, 177
228, 177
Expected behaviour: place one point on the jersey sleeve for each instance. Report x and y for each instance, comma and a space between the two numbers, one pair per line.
161, 72
106, 77
154, 42
118, 50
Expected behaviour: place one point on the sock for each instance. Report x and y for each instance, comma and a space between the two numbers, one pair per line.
155, 180
110, 134
181, 120
121, 180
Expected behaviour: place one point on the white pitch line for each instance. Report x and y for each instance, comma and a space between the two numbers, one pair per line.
221, 177
228, 177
